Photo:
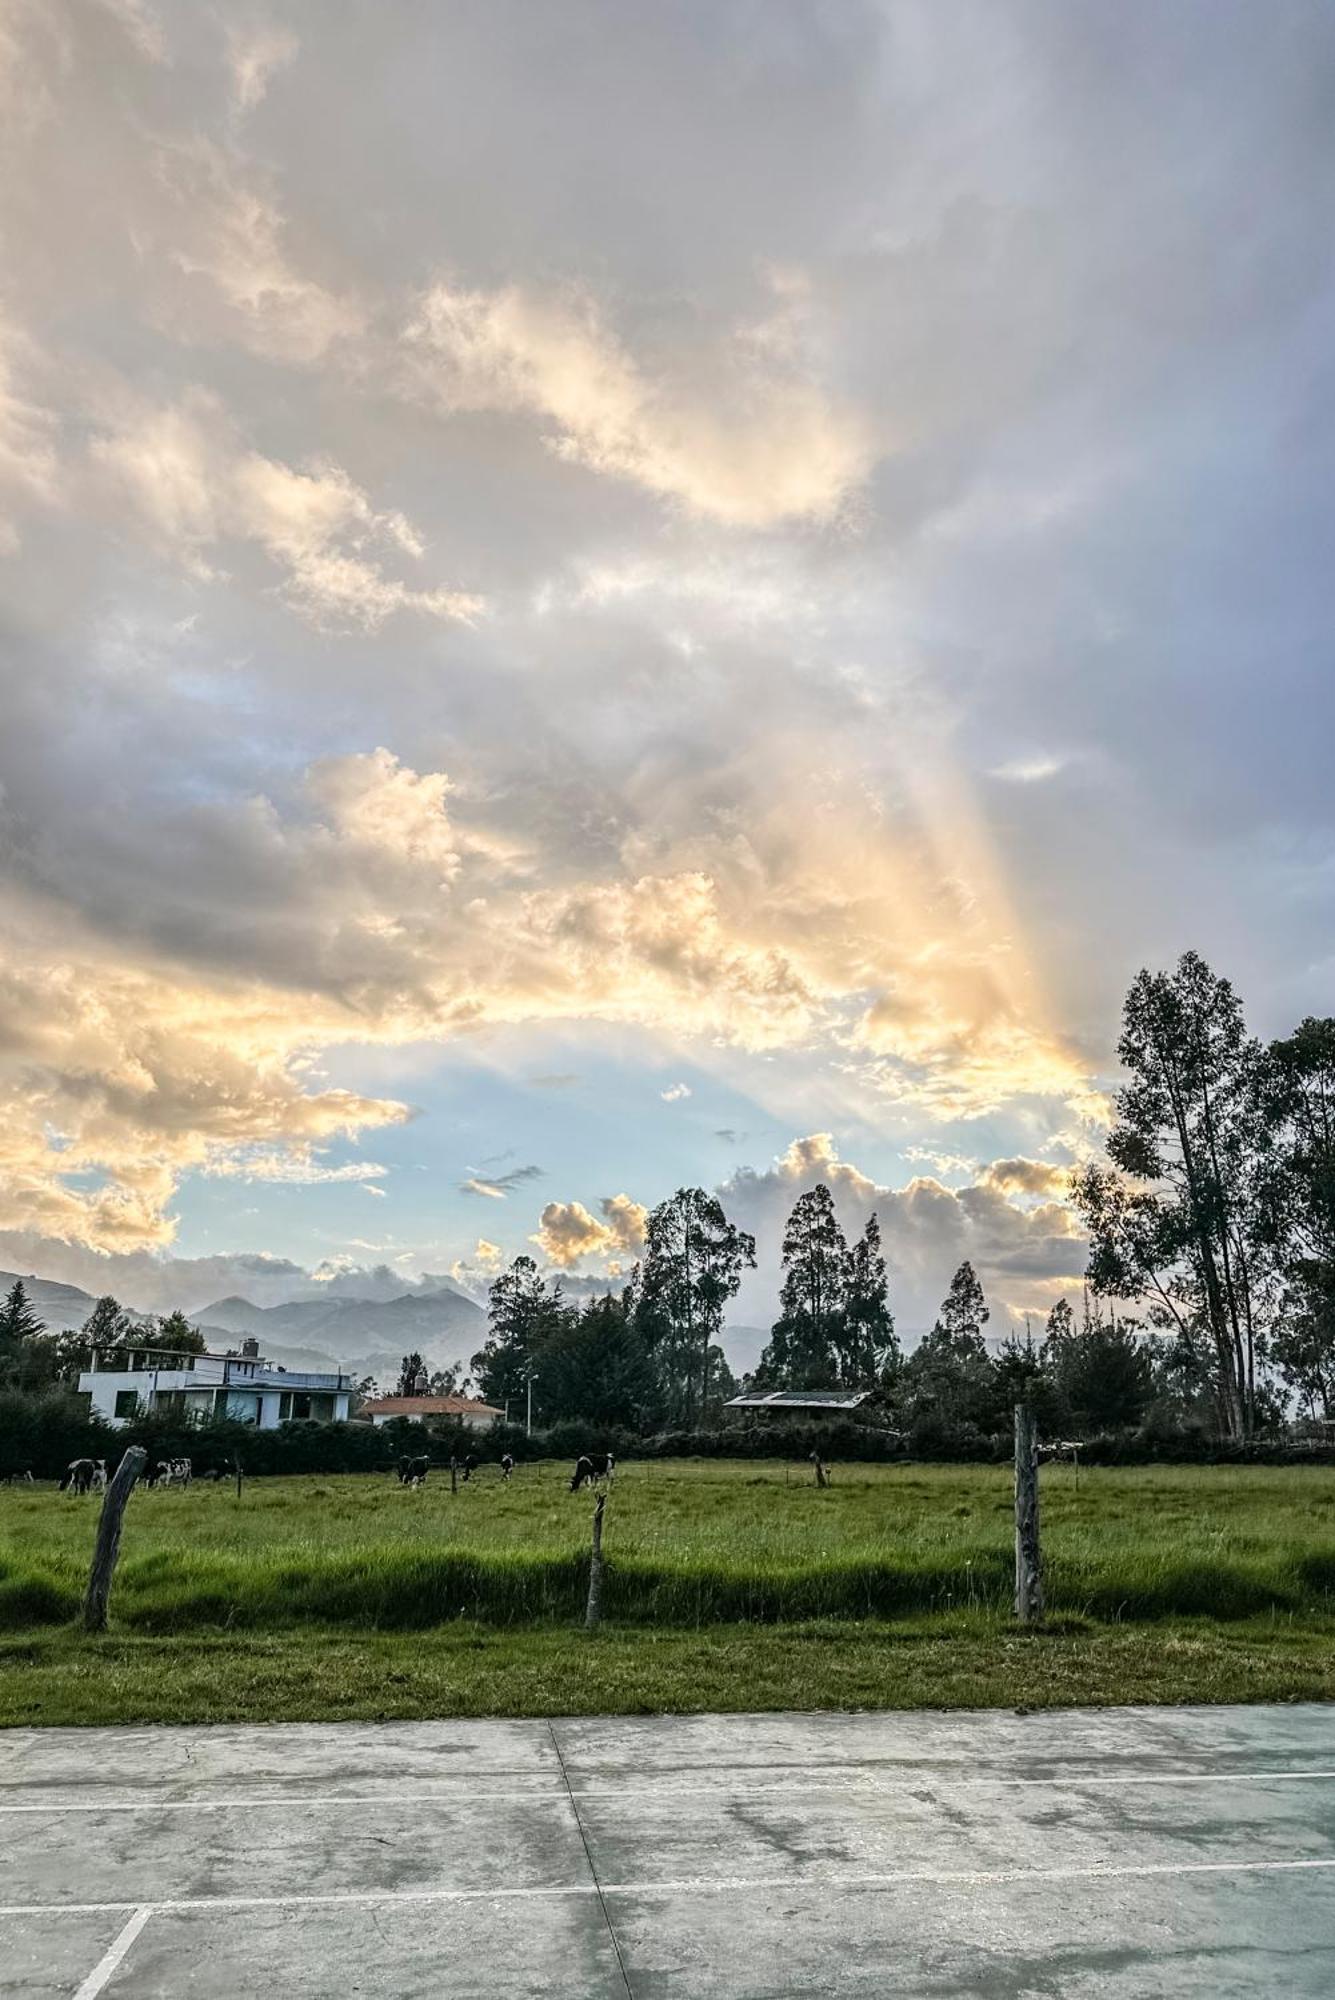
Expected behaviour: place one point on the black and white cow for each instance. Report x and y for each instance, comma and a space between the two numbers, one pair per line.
413, 1471
507, 1465
16, 1475
78, 1476
590, 1468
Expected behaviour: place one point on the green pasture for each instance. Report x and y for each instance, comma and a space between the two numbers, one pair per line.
687, 1543
312, 1595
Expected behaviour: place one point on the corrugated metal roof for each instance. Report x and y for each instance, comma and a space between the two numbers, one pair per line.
799, 1399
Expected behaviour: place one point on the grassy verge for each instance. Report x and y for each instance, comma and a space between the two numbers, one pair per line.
960, 1660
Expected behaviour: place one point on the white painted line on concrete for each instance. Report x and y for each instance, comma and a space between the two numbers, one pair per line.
686, 1885
105, 1966
88, 1807
85, 1804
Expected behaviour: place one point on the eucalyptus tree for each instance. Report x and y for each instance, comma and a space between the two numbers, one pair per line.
868, 1345
524, 1312
1296, 1090
806, 1339
692, 1265
1175, 1220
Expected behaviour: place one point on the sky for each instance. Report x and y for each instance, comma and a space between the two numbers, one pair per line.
610, 596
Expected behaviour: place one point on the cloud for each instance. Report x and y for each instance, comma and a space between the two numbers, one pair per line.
29, 472
823, 492
198, 489
763, 444
298, 1164
1029, 770
368, 1188
497, 1187
255, 53
142, 25
1025, 1256
1021, 1176
568, 1234
675, 1092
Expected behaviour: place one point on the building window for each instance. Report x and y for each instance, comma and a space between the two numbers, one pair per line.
127, 1403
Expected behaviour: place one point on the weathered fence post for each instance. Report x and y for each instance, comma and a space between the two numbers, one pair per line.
1028, 1572
594, 1610
236, 1467
107, 1546
454, 1474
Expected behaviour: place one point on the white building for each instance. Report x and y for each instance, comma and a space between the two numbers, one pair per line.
242, 1387
477, 1416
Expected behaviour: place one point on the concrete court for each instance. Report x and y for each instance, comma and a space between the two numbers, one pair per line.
1114, 1852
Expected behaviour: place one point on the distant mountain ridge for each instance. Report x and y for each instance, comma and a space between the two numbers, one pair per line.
445, 1326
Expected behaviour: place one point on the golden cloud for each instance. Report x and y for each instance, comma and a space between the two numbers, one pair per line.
768, 445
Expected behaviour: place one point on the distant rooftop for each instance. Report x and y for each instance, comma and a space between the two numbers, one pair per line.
799, 1399
429, 1406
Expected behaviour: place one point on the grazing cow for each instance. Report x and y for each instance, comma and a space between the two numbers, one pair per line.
413, 1471
590, 1468
78, 1476
468, 1466
507, 1466
99, 1475
17, 1475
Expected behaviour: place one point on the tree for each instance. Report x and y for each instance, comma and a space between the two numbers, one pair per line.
692, 1265
522, 1311
1175, 1222
950, 1372
27, 1357
867, 1344
109, 1325
412, 1376
1296, 1090
1102, 1371
595, 1367
803, 1347
1020, 1374
176, 1335
18, 1322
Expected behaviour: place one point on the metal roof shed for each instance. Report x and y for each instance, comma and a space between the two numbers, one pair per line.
800, 1402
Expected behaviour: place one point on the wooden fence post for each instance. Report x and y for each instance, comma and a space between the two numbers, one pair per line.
454, 1474
107, 1546
1028, 1570
236, 1467
594, 1610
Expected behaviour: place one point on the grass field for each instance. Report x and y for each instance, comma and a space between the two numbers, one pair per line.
728, 1585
